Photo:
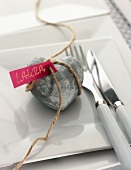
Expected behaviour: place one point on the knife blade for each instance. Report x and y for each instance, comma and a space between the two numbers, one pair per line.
114, 133
108, 92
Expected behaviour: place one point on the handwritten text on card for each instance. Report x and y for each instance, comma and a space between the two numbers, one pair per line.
30, 73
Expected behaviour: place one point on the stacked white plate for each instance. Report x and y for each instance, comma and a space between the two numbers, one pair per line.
79, 129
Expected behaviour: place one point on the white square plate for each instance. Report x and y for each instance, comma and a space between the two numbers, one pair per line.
90, 28
52, 11
78, 129
86, 161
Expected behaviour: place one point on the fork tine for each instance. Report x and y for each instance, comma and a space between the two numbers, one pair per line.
66, 52
83, 58
81, 51
80, 55
77, 55
71, 51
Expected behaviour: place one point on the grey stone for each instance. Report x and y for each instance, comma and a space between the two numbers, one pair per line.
46, 90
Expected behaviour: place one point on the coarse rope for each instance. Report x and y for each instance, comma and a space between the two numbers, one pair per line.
31, 85
55, 61
55, 24
51, 125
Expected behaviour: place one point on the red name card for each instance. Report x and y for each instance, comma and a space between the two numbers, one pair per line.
30, 73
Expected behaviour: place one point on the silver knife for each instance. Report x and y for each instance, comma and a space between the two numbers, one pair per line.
108, 91
116, 137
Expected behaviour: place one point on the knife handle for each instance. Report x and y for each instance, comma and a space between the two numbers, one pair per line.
116, 137
124, 118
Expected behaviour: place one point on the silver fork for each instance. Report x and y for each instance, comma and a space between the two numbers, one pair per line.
116, 137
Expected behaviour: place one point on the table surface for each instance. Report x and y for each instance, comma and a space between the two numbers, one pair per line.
120, 8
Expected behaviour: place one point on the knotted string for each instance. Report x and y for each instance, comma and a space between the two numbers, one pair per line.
54, 61
31, 85
51, 125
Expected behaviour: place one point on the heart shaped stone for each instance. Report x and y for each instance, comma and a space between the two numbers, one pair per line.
46, 90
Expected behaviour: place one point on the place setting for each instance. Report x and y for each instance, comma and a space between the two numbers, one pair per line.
64, 99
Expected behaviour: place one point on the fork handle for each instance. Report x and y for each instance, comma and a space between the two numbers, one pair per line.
116, 137
124, 118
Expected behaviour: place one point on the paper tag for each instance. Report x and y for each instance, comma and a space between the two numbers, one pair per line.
30, 73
